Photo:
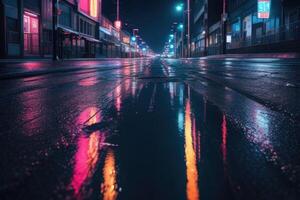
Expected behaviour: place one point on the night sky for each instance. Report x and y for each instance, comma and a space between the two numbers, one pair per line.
153, 18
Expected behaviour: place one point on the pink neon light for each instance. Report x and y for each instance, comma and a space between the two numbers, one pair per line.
84, 6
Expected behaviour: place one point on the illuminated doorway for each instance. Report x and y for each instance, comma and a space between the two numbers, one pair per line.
31, 34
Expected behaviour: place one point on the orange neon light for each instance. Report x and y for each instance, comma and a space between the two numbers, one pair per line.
94, 8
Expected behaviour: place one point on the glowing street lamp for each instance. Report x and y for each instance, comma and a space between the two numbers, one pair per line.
133, 38
179, 7
180, 27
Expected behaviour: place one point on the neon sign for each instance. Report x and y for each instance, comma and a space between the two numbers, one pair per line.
89, 7
94, 8
263, 9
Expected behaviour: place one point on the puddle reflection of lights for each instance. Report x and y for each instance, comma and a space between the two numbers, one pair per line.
109, 187
32, 65
88, 82
172, 90
262, 120
180, 120
133, 87
192, 188
228, 63
118, 98
181, 98
224, 139
127, 85
87, 154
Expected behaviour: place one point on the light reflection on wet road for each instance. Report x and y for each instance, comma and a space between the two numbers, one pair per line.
143, 129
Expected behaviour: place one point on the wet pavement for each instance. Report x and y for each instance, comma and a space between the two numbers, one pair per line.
152, 129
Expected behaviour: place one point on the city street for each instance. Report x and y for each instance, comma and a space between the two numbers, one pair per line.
151, 129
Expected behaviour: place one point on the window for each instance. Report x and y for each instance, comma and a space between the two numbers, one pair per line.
65, 17
12, 30
81, 25
236, 27
31, 33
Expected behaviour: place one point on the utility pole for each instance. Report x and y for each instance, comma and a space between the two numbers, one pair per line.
118, 10
54, 27
189, 28
224, 27
135, 34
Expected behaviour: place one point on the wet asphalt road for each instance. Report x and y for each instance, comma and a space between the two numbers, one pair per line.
152, 129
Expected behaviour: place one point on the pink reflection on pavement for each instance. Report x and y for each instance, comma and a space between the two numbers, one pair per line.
32, 66
224, 139
87, 155
118, 97
88, 82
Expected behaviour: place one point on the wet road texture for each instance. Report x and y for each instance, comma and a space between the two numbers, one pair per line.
152, 129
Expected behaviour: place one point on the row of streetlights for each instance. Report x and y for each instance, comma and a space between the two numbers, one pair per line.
186, 11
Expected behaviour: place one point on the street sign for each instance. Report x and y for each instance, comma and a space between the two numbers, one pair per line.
263, 9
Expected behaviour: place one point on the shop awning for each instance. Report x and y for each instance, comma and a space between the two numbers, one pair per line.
68, 30
91, 39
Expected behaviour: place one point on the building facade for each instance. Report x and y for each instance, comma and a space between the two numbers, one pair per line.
27, 28
245, 26
206, 27
70, 28
77, 28
249, 31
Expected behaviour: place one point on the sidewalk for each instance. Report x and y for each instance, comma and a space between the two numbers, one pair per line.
255, 55
22, 68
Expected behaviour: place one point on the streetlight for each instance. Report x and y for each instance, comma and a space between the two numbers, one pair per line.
179, 7
133, 38
180, 27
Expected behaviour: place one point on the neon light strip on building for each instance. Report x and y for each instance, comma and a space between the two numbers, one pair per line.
94, 8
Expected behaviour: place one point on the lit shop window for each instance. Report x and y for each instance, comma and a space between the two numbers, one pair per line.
31, 33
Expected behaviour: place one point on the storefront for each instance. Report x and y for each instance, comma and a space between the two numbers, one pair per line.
31, 34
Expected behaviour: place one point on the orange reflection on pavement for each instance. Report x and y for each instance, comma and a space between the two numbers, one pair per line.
190, 157
109, 187
87, 154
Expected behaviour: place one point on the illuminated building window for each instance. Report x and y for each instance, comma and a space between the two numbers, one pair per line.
31, 33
